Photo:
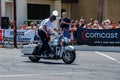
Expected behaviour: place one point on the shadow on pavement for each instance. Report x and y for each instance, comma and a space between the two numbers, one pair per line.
50, 63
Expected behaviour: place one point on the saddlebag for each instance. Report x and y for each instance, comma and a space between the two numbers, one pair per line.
28, 49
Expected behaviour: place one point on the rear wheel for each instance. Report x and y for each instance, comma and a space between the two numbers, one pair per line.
34, 58
69, 57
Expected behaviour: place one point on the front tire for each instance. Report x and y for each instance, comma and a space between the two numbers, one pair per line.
34, 58
69, 57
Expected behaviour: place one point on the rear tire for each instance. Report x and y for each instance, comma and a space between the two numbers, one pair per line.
69, 57
34, 58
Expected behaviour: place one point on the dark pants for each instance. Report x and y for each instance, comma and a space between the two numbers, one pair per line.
44, 40
66, 32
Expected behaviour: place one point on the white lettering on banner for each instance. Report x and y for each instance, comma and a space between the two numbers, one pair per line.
22, 35
101, 35
106, 42
18, 33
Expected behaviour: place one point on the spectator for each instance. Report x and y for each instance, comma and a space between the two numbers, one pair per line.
82, 23
64, 24
113, 25
89, 26
96, 25
12, 24
21, 27
91, 21
25, 26
119, 24
107, 24
102, 25
73, 29
36, 37
77, 23
32, 26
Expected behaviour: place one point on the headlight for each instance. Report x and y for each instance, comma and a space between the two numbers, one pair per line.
55, 42
69, 40
65, 41
62, 40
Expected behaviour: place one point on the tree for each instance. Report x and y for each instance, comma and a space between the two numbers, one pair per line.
100, 10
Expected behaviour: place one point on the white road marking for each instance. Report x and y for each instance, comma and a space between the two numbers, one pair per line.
20, 75
109, 57
27, 75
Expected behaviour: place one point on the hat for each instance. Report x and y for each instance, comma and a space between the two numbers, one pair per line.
53, 17
96, 21
82, 19
107, 21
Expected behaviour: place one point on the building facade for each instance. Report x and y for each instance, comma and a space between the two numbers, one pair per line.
90, 8
26, 9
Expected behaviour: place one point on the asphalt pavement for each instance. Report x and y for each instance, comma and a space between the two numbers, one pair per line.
89, 65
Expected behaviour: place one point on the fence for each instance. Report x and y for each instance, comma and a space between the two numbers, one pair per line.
82, 37
23, 37
110, 37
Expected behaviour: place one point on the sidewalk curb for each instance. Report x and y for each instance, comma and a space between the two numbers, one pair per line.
98, 48
91, 48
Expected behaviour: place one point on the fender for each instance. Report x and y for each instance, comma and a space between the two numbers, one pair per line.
69, 48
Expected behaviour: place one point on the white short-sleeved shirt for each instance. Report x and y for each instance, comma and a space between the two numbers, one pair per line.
48, 24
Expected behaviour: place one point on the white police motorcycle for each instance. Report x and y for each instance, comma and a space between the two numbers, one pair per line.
59, 45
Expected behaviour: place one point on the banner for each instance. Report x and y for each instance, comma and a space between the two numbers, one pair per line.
109, 37
22, 35
1, 35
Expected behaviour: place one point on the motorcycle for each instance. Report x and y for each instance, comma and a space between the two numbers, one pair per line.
60, 46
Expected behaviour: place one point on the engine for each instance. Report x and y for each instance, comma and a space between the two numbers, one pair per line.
55, 42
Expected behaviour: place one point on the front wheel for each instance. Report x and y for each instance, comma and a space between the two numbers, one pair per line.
69, 57
34, 58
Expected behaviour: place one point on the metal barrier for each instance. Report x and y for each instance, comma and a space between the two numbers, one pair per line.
23, 37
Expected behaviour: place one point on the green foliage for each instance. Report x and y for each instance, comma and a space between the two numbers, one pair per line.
28, 22
34, 21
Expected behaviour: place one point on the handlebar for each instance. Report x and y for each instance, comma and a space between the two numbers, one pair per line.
56, 35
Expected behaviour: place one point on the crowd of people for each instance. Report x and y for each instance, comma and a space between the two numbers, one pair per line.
69, 27
73, 24
25, 26
32, 26
94, 24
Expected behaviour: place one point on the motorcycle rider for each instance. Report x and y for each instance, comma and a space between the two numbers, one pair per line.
44, 31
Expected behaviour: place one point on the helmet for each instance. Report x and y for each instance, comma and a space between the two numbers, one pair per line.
53, 17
